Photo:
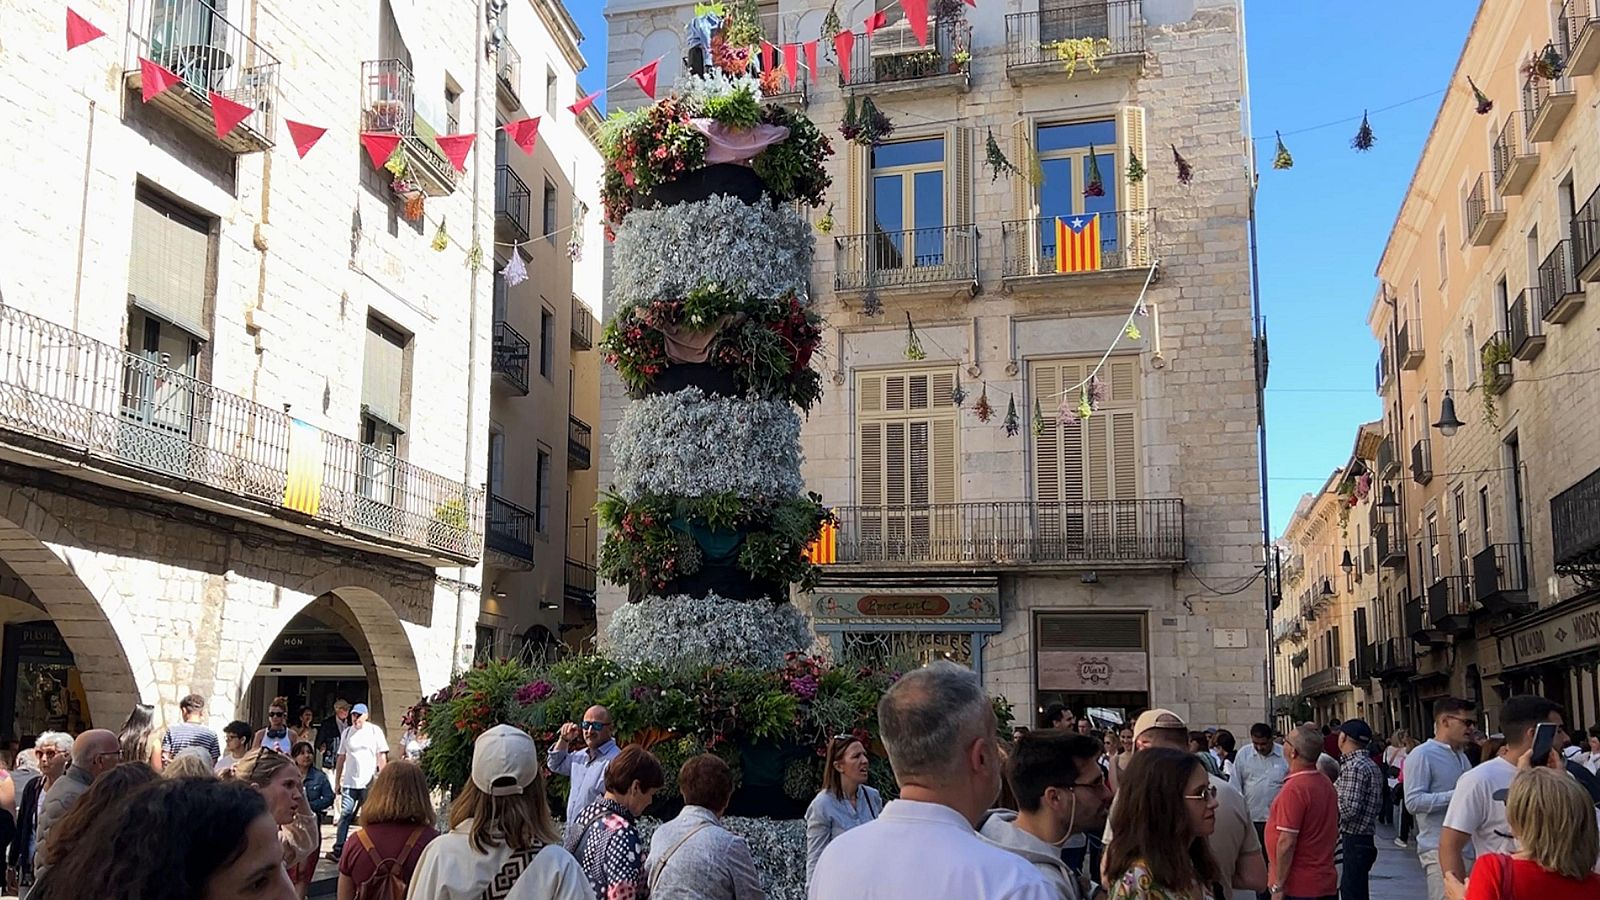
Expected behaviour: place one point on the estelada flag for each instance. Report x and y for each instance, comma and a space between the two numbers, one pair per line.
1078, 243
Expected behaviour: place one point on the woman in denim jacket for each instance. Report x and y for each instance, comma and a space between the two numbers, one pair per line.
844, 802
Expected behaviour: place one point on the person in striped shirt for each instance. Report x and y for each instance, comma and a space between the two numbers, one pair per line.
191, 732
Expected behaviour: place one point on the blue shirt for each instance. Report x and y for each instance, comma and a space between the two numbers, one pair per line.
588, 775
1431, 773
829, 816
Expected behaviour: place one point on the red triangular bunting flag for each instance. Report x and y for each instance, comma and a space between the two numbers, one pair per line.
379, 146
876, 20
917, 16
585, 103
455, 147
972, 3
791, 64
645, 78
80, 31
843, 43
810, 48
227, 114
305, 136
769, 57
522, 133
154, 78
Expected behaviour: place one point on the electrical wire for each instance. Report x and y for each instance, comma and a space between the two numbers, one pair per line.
1260, 571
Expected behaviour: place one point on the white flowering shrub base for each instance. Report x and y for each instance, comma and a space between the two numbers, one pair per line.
778, 846
754, 250
690, 445
687, 631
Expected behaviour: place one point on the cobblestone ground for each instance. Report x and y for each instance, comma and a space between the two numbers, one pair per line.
1397, 874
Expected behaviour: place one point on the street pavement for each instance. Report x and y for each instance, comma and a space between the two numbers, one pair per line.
1397, 875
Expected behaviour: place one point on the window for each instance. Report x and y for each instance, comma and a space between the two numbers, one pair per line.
1096, 458
547, 342
550, 92
1469, 355
552, 197
906, 455
541, 474
1483, 516
1068, 168
150, 397
1502, 299
383, 372
169, 273
1444, 268
452, 110
1463, 560
907, 210
484, 651
1433, 547
497, 462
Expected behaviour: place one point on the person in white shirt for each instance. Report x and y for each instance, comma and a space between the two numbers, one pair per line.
939, 729
1222, 747
362, 752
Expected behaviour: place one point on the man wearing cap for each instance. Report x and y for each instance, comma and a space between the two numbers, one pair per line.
1360, 789
1234, 844
331, 732
363, 751
582, 752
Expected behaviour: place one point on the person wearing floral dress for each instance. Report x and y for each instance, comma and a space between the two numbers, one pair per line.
1165, 810
604, 836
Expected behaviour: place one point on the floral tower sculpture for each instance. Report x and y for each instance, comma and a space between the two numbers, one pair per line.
707, 520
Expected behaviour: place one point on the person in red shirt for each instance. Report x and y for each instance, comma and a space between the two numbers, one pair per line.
1552, 818
396, 823
1303, 825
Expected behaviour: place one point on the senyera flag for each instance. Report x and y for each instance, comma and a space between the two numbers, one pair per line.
1078, 243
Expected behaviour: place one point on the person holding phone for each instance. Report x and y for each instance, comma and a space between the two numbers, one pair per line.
1477, 812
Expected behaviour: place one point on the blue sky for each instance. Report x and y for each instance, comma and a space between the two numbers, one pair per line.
1323, 223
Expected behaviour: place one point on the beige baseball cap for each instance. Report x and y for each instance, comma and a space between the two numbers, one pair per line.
505, 761
1158, 718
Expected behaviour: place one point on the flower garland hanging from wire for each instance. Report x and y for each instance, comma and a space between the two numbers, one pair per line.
995, 159
1282, 160
1364, 138
1546, 64
1185, 171
1135, 167
441, 238
1013, 424
1038, 418
983, 409
1484, 103
1096, 187
958, 394
914, 351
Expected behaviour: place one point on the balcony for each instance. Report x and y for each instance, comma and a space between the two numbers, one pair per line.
1395, 657
907, 260
1386, 463
388, 107
1450, 604
1500, 577
1288, 630
579, 443
1514, 158
1526, 328
1383, 371
1325, 681
582, 326
513, 206
1485, 212
1086, 39
892, 62
1579, 29
1125, 248
127, 421
508, 74
1499, 373
1408, 345
1560, 294
1422, 461
1586, 240
1422, 621
509, 361
1551, 103
1575, 528
1388, 537
1073, 535
579, 585
208, 54
510, 533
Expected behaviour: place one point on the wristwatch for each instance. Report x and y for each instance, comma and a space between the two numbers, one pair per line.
1274, 888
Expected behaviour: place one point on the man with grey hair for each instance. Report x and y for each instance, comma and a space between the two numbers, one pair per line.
939, 728
1303, 826
95, 752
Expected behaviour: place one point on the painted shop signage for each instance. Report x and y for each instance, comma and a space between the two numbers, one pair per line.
1093, 670
923, 605
1568, 633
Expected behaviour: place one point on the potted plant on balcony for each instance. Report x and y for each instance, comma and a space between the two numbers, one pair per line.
448, 530
1495, 360
1073, 52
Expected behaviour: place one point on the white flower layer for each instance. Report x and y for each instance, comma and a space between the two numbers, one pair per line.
692, 631
689, 445
754, 250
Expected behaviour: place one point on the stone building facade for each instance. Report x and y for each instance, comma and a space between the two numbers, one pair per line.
243, 402
1486, 372
1111, 563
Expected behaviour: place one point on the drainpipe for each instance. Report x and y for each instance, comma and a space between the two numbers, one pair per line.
1258, 330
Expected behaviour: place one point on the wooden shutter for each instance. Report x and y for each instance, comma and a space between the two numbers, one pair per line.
1138, 226
1093, 460
907, 461
169, 265
856, 165
383, 372
959, 186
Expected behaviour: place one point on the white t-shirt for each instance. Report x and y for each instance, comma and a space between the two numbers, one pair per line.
1478, 807
450, 869
360, 748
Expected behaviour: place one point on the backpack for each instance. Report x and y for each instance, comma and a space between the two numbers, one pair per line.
386, 881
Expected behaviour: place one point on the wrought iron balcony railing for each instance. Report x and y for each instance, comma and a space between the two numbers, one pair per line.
208, 53
513, 205
1386, 462
1450, 603
892, 56
1324, 681
1107, 533
1485, 212
1051, 37
1396, 656
511, 528
1514, 158
918, 256
1500, 576
510, 357
1422, 461
1586, 240
508, 70
1126, 240
582, 325
1560, 294
579, 442
1526, 327
63, 388
1550, 101
1575, 528
1383, 371
1408, 344
580, 583
388, 105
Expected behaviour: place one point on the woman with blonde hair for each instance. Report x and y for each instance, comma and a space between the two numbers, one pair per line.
190, 765
1552, 818
275, 776
396, 824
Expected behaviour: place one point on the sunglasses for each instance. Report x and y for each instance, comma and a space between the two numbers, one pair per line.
276, 714
595, 726
1208, 795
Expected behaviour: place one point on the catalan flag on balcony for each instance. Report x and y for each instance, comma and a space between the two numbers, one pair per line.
303, 490
1078, 243
825, 549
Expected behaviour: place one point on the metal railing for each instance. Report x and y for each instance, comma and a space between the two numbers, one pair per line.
1585, 237
1388, 537
1385, 458
511, 528
906, 258
892, 54
1481, 203
1499, 570
1330, 679
1396, 655
582, 325
1127, 240
1575, 15
1450, 597
508, 69
1511, 145
580, 439
208, 53
1422, 461
1557, 277
388, 105
509, 358
1537, 94
580, 582
1037, 38
1014, 531
513, 203
1522, 319
61, 386
1575, 527
1383, 371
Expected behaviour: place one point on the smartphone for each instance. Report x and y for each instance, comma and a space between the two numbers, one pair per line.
1544, 739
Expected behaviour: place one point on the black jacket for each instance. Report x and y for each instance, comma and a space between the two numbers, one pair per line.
27, 819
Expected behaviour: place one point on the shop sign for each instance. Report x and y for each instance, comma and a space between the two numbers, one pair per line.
1574, 631
967, 605
41, 643
1093, 670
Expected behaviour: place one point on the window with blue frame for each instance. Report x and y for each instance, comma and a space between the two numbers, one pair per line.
1064, 155
908, 216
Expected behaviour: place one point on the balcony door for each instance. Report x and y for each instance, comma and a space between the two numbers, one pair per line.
906, 468
1081, 464
1064, 156
908, 205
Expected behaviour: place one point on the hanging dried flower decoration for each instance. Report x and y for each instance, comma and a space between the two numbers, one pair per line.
475, 255
1035, 165
914, 351
413, 208
1133, 332
1484, 103
1282, 160
516, 271
1185, 171
1085, 408
958, 394
1135, 168
441, 238
1097, 391
831, 26
1364, 138
825, 224
1096, 187
1546, 64
995, 159
1013, 424
982, 409
1038, 418
1067, 412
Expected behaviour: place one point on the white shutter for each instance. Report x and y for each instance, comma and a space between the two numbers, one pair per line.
1138, 226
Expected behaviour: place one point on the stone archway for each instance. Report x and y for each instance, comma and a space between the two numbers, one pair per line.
93, 617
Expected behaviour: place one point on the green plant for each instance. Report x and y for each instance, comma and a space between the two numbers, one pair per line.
1495, 352
737, 109
644, 149
793, 169
451, 514
1085, 51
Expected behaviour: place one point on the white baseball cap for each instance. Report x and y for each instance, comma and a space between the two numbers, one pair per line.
505, 761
